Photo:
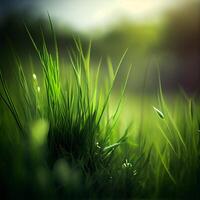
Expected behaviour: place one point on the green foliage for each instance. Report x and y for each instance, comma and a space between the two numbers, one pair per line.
61, 138
68, 119
172, 148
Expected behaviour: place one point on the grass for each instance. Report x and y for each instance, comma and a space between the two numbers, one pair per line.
62, 134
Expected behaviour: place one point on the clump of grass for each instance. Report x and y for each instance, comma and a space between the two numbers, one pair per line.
74, 114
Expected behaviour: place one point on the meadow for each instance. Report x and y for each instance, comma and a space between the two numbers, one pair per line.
65, 132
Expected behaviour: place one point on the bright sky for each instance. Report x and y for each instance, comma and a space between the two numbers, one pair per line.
83, 15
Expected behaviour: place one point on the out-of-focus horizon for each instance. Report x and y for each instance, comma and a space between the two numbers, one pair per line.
90, 15
164, 33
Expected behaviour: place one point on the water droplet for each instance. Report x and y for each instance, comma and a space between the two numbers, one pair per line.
34, 76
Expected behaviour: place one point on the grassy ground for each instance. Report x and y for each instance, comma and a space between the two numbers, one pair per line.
65, 135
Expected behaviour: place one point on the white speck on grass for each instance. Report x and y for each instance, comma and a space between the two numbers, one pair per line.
38, 89
126, 164
134, 172
34, 76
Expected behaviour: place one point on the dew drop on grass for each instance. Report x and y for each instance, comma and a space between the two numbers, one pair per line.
134, 172
126, 164
34, 76
160, 114
97, 145
38, 89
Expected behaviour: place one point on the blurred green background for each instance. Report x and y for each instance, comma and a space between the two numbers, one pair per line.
156, 33
162, 34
